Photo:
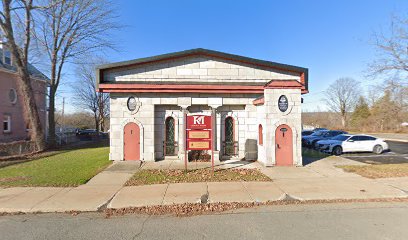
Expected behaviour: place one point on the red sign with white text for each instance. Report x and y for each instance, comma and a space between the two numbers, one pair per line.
198, 122
198, 132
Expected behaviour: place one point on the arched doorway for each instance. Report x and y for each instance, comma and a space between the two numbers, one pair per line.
170, 139
283, 146
131, 142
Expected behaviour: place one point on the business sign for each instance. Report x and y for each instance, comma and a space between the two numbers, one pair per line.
198, 122
198, 144
198, 132
283, 103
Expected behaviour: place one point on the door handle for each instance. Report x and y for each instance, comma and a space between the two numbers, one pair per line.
277, 146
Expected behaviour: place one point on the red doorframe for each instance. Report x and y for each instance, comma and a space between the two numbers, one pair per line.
283, 146
131, 142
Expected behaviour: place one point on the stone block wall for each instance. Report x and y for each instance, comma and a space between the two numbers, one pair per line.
197, 69
155, 108
274, 118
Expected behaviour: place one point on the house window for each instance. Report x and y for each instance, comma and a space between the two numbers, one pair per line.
7, 123
260, 136
7, 57
13, 95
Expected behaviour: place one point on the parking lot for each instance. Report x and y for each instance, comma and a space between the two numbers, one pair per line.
398, 154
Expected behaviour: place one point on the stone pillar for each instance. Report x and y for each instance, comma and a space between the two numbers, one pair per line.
214, 103
183, 103
215, 135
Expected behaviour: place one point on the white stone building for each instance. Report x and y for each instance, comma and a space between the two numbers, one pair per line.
150, 96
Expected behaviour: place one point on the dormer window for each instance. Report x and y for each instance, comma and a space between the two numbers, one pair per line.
7, 57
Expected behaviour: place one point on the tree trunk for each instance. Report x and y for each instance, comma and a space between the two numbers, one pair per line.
30, 110
96, 122
343, 121
51, 119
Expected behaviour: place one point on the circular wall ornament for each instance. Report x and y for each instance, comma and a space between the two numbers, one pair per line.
133, 104
283, 103
13, 95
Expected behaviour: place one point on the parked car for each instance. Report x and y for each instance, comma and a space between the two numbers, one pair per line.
307, 132
87, 134
312, 141
315, 134
320, 129
353, 143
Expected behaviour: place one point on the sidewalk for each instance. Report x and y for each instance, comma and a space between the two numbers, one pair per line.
320, 180
89, 197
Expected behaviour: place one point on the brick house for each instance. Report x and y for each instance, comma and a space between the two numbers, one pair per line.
13, 126
254, 106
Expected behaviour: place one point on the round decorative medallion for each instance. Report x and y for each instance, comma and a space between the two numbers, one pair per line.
133, 104
283, 103
13, 95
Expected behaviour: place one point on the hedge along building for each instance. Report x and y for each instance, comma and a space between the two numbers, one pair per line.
256, 104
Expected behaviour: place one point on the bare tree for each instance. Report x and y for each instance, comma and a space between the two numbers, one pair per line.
89, 99
341, 97
71, 30
392, 50
16, 17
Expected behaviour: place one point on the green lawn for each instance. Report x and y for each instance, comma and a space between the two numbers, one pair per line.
66, 169
146, 177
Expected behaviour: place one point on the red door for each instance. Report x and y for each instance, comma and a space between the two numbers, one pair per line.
284, 146
131, 142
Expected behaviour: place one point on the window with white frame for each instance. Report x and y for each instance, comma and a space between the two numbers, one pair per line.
6, 123
7, 57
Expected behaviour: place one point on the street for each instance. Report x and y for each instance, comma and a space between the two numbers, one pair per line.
320, 221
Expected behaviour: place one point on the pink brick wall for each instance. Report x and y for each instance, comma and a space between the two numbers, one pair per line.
18, 126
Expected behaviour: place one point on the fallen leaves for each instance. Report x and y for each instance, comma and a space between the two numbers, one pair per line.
192, 209
145, 177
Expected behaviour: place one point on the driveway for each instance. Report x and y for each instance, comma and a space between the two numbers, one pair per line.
398, 154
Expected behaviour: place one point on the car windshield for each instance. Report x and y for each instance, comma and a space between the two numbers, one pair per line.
340, 137
318, 133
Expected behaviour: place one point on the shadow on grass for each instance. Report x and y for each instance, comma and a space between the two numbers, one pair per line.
55, 151
310, 155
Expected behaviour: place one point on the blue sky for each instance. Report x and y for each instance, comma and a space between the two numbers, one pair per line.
331, 38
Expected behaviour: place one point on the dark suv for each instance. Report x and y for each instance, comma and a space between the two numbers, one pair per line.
311, 142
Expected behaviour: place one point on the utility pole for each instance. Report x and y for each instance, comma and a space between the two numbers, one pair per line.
62, 113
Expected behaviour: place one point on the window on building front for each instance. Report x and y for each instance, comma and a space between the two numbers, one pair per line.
229, 137
6, 124
170, 137
7, 57
260, 132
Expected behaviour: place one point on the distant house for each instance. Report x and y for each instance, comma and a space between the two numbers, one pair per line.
13, 126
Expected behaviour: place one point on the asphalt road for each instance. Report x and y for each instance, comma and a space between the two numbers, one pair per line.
398, 154
326, 221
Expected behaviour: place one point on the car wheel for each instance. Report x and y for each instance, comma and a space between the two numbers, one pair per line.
337, 150
378, 149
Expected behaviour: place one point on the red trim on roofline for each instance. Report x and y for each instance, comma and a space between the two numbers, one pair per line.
173, 88
259, 101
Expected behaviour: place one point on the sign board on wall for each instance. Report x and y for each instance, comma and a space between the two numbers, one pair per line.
198, 132
283, 103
